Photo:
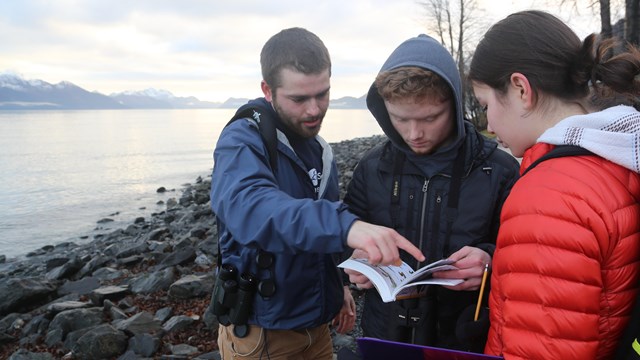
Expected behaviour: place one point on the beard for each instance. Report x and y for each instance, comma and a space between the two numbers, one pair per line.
300, 126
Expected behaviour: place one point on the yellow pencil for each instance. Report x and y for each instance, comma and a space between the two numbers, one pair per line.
484, 281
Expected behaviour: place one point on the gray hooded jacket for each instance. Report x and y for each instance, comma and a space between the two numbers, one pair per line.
425, 52
420, 210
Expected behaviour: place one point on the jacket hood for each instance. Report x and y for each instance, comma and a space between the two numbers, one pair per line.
425, 52
613, 134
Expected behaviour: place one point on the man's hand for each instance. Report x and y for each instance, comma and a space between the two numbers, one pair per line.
470, 262
380, 243
346, 318
355, 277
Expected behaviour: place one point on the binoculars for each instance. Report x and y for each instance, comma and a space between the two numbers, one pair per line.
233, 298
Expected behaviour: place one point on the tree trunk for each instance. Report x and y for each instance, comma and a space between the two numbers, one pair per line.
450, 31
461, 52
605, 18
632, 22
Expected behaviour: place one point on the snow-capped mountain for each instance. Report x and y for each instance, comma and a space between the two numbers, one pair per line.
17, 93
159, 99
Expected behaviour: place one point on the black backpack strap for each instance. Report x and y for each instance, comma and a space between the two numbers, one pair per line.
268, 133
454, 196
560, 151
266, 127
394, 209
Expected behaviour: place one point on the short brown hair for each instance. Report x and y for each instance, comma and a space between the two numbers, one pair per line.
296, 49
412, 83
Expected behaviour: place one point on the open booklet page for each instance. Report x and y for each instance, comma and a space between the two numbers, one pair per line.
400, 281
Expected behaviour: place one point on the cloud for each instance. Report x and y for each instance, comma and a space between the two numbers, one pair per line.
209, 49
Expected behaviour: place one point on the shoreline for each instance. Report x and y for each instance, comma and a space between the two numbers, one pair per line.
150, 280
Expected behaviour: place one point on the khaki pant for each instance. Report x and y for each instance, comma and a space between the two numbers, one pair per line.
264, 344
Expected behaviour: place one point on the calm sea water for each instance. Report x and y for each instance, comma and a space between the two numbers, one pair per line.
63, 171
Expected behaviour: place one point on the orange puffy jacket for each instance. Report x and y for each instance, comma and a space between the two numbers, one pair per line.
567, 263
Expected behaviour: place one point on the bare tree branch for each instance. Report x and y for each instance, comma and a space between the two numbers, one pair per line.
458, 25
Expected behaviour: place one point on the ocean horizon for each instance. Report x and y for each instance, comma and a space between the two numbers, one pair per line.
69, 175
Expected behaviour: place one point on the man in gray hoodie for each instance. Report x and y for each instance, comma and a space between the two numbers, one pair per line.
439, 183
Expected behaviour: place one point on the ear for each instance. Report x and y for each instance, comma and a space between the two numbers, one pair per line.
520, 84
266, 90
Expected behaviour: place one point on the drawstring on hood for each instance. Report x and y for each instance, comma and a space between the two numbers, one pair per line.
424, 52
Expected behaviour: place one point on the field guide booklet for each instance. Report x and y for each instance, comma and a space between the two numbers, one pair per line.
400, 282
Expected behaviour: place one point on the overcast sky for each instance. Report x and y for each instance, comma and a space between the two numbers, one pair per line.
210, 48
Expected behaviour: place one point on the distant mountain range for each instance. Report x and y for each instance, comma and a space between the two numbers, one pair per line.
17, 93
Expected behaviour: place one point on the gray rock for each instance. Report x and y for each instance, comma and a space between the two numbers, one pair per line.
102, 342
131, 260
180, 257
93, 264
158, 246
71, 339
6, 323
191, 286
171, 203
164, 314
66, 270
76, 319
107, 273
132, 250
131, 355
183, 350
23, 354
98, 296
204, 260
5, 338
22, 294
158, 234
209, 319
127, 302
54, 337
141, 323
55, 308
214, 355
36, 326
55, 262
144, 344
152, 282
342, 340
117, 314
81, 287
177, 323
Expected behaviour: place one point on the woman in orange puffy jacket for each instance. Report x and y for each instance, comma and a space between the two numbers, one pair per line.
566, 269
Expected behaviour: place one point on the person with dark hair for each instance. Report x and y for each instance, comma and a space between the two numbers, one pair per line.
281, 226
567, 264
439, 183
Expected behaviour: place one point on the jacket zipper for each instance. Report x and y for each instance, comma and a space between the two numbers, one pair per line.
423, 214
425, 199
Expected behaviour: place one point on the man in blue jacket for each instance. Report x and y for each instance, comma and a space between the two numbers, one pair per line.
280, 221
439, 183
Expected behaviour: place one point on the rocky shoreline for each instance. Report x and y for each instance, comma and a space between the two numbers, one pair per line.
139, 292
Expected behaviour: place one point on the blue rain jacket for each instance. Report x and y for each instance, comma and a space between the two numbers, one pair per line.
282, 214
